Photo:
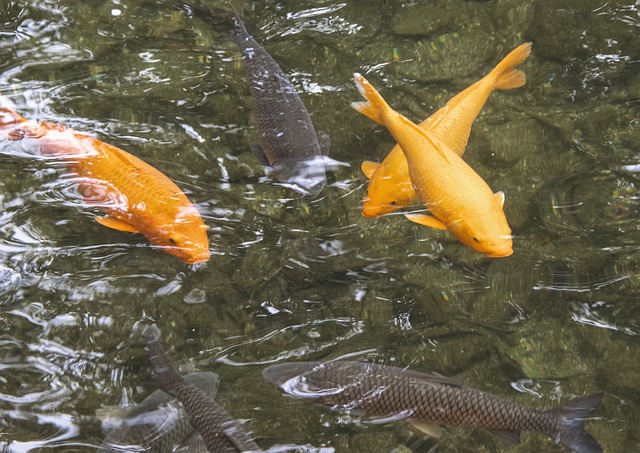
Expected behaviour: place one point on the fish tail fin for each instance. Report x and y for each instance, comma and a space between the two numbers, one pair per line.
571, 433
163, 371
507, 77
375, 106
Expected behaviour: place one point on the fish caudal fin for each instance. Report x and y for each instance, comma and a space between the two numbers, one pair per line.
507, 77
163, 372
571, 433
375, 106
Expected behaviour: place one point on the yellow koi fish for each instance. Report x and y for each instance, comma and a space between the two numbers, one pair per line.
457, 197
390, 187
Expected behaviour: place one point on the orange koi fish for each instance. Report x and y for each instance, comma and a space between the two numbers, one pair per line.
390, 187
136, 197
457, 197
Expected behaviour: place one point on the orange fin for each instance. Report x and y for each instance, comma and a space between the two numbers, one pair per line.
430, 429
500, 197
427, 220
116, 224
375, 106
510, 80
508, 76
369, 168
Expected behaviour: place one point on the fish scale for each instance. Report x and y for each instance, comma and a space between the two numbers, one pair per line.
388, 391
221, 433
288, 141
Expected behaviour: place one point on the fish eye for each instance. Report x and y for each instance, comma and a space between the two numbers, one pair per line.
393, 203
476, 239
173, 241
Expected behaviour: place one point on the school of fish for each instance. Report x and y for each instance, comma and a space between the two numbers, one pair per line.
425, 165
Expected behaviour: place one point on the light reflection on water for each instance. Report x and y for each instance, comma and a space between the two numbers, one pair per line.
311, 279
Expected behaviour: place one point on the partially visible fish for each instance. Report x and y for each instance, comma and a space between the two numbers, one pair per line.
137, 197
429, 400
458, 199
390, 186
288, 141
221, 433
159, 423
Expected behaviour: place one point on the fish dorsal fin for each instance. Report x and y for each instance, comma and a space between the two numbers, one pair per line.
116, 224
438, 145
369, 168
500, 197
428, 428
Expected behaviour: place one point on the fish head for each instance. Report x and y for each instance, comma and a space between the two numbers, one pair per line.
304, 175
184, 237
491, 236
390, 187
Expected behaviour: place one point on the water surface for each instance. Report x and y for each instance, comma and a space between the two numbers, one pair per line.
311, 279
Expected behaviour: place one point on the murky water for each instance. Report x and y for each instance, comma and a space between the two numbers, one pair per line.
312, 279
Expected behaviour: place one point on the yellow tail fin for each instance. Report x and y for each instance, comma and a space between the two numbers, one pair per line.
508, 77
375, 106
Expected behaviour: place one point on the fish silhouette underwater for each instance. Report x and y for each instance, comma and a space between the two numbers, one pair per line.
158, 424
289, 145
430, 400
221, 433
458, 199
136, 197
390, 186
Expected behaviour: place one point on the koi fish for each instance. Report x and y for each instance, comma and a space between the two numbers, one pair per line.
430, 400
456, 196
390, 187
289, 144
221, 433
158, 424
136, 197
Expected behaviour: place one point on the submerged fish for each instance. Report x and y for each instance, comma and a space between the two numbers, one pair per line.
288, 141
390, 186
457, 197
159, 423
429, 400
221, 433
137, 197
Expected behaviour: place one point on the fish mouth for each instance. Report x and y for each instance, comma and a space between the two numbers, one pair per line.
500, 254
197, 257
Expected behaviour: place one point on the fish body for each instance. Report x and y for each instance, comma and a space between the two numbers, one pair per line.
388, 391
457, 197
159, 423
137, 197
390, 186
288, 141
221, 433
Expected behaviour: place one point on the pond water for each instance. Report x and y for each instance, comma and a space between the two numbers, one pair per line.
311, 278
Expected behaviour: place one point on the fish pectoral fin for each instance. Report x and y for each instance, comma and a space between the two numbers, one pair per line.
325, 143
369, 168
512, 437
116, 224
195, 442
427, 220
258, 151
500, 197
428, 428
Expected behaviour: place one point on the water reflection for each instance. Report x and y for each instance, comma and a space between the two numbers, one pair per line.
291, 278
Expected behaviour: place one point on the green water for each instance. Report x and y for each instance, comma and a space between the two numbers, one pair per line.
312, 279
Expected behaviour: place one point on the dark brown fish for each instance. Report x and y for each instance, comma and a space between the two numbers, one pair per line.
158, 424
288, 141
221, 433
387, 391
